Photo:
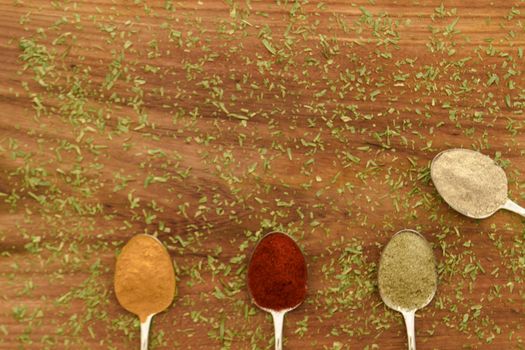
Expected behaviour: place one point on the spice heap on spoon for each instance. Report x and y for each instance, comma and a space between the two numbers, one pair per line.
407, 277
471, 183
144, 280
277, 277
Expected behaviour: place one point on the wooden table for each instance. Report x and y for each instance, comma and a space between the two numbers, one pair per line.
209, 123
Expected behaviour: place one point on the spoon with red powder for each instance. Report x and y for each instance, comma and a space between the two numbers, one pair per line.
277, 278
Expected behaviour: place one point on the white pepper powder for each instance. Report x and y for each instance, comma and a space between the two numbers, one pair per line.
470, 182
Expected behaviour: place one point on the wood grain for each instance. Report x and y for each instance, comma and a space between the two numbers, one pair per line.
339, 132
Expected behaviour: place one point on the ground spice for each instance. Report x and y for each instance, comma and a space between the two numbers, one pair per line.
407, 272
144, 277
470, 182
277, 273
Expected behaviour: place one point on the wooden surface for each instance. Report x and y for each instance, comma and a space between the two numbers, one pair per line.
209, 123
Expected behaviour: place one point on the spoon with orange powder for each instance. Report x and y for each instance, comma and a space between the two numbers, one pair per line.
144, 280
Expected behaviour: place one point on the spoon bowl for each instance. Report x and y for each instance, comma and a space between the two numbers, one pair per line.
507, 204
386, 300
408, 313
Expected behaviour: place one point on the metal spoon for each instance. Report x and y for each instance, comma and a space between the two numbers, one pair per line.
408, 314
278, 322
144, 332
277, 315
146, 325
145, 320
508, 204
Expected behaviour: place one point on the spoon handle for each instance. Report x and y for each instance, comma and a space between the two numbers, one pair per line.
144, 333
512, 206
278, 320
409, 317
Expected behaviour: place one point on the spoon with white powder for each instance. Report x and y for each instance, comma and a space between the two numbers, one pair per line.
471, 183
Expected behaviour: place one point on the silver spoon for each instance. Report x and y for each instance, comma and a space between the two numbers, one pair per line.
144, 332
508, 204
277, 315
131, 249
408, 314
278, 322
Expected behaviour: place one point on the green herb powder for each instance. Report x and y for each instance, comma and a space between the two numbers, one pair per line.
407, 272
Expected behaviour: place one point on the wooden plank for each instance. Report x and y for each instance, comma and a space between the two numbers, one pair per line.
224, 120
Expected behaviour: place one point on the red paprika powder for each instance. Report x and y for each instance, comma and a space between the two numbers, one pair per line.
277, 273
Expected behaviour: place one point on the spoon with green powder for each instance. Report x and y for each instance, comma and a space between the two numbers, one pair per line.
471, 183
407, 277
